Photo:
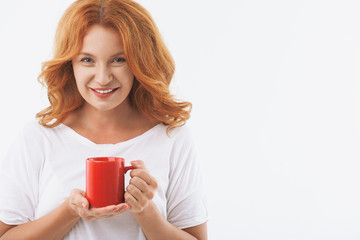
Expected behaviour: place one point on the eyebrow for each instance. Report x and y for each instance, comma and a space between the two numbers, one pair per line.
89, 54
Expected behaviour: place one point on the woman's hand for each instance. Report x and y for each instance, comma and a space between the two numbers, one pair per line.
141, 189
80, 207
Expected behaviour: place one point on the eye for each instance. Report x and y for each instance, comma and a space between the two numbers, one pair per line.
119, 60
87, 60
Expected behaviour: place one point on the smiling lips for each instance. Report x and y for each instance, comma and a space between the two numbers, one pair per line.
104, 92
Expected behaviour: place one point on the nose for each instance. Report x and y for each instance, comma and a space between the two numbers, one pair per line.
103, 75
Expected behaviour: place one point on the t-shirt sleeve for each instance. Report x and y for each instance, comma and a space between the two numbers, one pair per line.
186, 200
19, 180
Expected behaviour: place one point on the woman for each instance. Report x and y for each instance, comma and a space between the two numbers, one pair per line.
108, 87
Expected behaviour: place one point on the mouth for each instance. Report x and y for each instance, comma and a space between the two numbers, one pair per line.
104, 92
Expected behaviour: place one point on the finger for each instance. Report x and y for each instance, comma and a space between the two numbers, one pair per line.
108, 215
78, 195
84, 213
78, 191
138, 164
121, 208
78, 200
104, 210
132, 201
144, 175
146, 189
139, 183
89, 218
136, 193
84, 203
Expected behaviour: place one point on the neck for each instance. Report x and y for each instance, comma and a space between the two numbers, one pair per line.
100, 126
119, 117
88, 117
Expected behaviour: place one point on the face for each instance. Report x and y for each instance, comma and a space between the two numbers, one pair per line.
102, 75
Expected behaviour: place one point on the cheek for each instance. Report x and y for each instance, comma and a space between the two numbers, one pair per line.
82, 76
125, 77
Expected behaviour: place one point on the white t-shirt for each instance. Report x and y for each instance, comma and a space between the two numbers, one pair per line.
45, 164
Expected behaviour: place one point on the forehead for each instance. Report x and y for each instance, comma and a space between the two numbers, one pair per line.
99, 39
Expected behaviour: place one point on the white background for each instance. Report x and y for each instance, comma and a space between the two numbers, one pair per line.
276, 93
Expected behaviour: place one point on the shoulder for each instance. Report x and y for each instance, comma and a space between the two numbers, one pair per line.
33, 128
182, 134
178, 134
183, 131
181, 141
29, 146
34, 132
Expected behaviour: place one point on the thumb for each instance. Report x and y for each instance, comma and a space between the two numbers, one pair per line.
79, 196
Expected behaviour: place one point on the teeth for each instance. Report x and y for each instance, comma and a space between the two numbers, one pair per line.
104, 91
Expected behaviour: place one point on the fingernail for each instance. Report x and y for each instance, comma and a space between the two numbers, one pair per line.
135, 163
83, 204
115, 209
124, 207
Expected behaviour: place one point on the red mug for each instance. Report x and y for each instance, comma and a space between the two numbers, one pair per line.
105, 178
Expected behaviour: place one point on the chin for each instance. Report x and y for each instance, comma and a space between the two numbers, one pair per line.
104, 108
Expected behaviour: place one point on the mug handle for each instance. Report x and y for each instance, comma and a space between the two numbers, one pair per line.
128, 168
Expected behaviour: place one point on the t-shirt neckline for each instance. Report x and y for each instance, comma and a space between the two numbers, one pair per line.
88, 142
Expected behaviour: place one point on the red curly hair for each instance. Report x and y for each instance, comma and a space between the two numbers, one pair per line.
146, 54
